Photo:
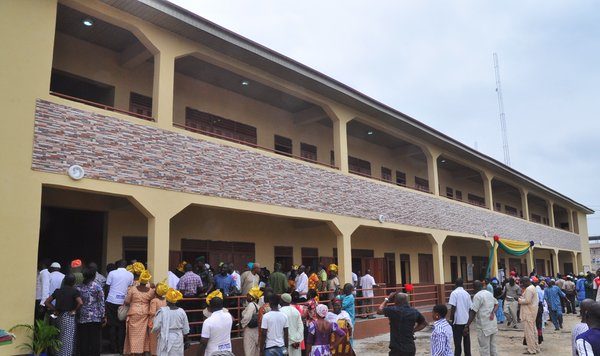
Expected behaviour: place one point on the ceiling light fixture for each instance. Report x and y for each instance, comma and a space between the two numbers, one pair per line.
87, 22
443, 161
369, 132
245, 83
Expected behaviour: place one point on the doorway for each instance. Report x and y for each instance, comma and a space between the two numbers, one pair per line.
425, 268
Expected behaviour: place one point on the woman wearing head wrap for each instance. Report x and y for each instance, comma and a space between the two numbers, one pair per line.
137, 339
171, 324
250, 322
320, 332
344, 322
155, 304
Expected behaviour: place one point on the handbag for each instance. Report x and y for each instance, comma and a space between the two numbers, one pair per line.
122, 312
253, 323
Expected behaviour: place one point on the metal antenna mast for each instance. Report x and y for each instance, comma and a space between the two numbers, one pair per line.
501, 112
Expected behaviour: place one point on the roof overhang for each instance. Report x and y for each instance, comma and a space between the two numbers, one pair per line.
185, 23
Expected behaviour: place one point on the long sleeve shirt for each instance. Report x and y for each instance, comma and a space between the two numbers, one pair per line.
529, 303
552, 296
42, 290
441, 339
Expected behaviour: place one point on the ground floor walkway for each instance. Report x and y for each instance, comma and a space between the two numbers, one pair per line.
510, 341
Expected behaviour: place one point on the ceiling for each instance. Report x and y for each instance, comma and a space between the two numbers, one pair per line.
69, 21
212, 74
459, 171
360, 130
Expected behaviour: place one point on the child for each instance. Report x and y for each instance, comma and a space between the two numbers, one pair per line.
441, 337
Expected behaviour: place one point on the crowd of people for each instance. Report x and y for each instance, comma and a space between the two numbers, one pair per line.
282, 313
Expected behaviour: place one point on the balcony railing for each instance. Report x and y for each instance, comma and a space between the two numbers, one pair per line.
102, 106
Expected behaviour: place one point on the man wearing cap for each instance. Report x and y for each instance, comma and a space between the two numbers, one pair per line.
295, 326
569, 289
56, 277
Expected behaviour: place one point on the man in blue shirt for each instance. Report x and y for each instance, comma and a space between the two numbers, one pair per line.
225, 281
553, 296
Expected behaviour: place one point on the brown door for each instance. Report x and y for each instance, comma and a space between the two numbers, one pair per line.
540, 267
425, 268
390, 259
463, 268
378, 267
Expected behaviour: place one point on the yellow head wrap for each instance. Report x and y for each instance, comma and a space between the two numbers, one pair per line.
255, 293
173, 295
181, 266
295, 267
333, 267
162, 288
215, 294
138, 268
145, 277
129, 268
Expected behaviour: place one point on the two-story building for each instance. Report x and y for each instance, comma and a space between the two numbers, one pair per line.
194, 140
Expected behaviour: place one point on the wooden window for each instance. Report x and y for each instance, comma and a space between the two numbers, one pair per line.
498, 207
458, 195
401, 178
285, 256
386, 174
283, 145
332, 158
140, 104
404, 268
308, 152
310, 257
357, 165
422, 184
425, 268
475, 199
510, 210
480, 264
463, 268
222, 128
135, 248
449, 192
536, 218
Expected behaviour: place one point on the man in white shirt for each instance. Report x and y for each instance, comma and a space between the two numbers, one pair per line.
483, 311
56, 277
302, 283
117, 283
367, 282
460, 304
42, 290
172, 280
296, 327
216, 330
274, 336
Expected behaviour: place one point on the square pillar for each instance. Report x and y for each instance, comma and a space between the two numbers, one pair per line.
555, 262
343, 231
530, 261
437, 250
571, 223
575, 263
158, 246
551, 213
487, 189
432, 172
340, 143
525, 204
163, 89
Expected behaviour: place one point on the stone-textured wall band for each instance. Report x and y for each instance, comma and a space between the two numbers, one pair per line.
116, 150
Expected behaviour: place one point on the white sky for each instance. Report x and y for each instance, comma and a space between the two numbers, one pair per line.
433, 60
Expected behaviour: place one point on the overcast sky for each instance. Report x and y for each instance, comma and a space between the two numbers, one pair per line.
432, 60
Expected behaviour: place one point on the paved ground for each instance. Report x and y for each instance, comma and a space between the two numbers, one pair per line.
510, 341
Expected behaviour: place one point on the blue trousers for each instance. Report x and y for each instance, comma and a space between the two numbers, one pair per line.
276, 351
557, 318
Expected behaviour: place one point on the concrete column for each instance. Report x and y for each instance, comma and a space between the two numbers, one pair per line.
530, 261
525, 204
494, 269
340, 143
158, 246
571, 223
432, 172
437, 249
163, 90
551, 213
575, 263
555, 262
343, 231
487, 188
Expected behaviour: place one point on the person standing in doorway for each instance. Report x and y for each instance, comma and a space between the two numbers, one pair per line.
404, 322
42, 289
117, 283
367, 283
460, 304
483, 312
529, 309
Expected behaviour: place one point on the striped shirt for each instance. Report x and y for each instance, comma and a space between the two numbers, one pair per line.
578, 329
441, 339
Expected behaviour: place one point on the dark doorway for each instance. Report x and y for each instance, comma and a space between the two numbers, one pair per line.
425, 268
540, 266
568, 268
453, 268
404, 268
68, 234
391, 268
463, 268
82, 88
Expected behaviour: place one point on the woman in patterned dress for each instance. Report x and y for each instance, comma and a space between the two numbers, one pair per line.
155, 304
91, 315
344, 322
320, 332
68, 302
137, 339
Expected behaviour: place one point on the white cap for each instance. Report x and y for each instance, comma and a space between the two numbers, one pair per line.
55, 265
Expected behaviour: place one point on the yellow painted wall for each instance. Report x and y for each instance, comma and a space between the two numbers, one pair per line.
464, 185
